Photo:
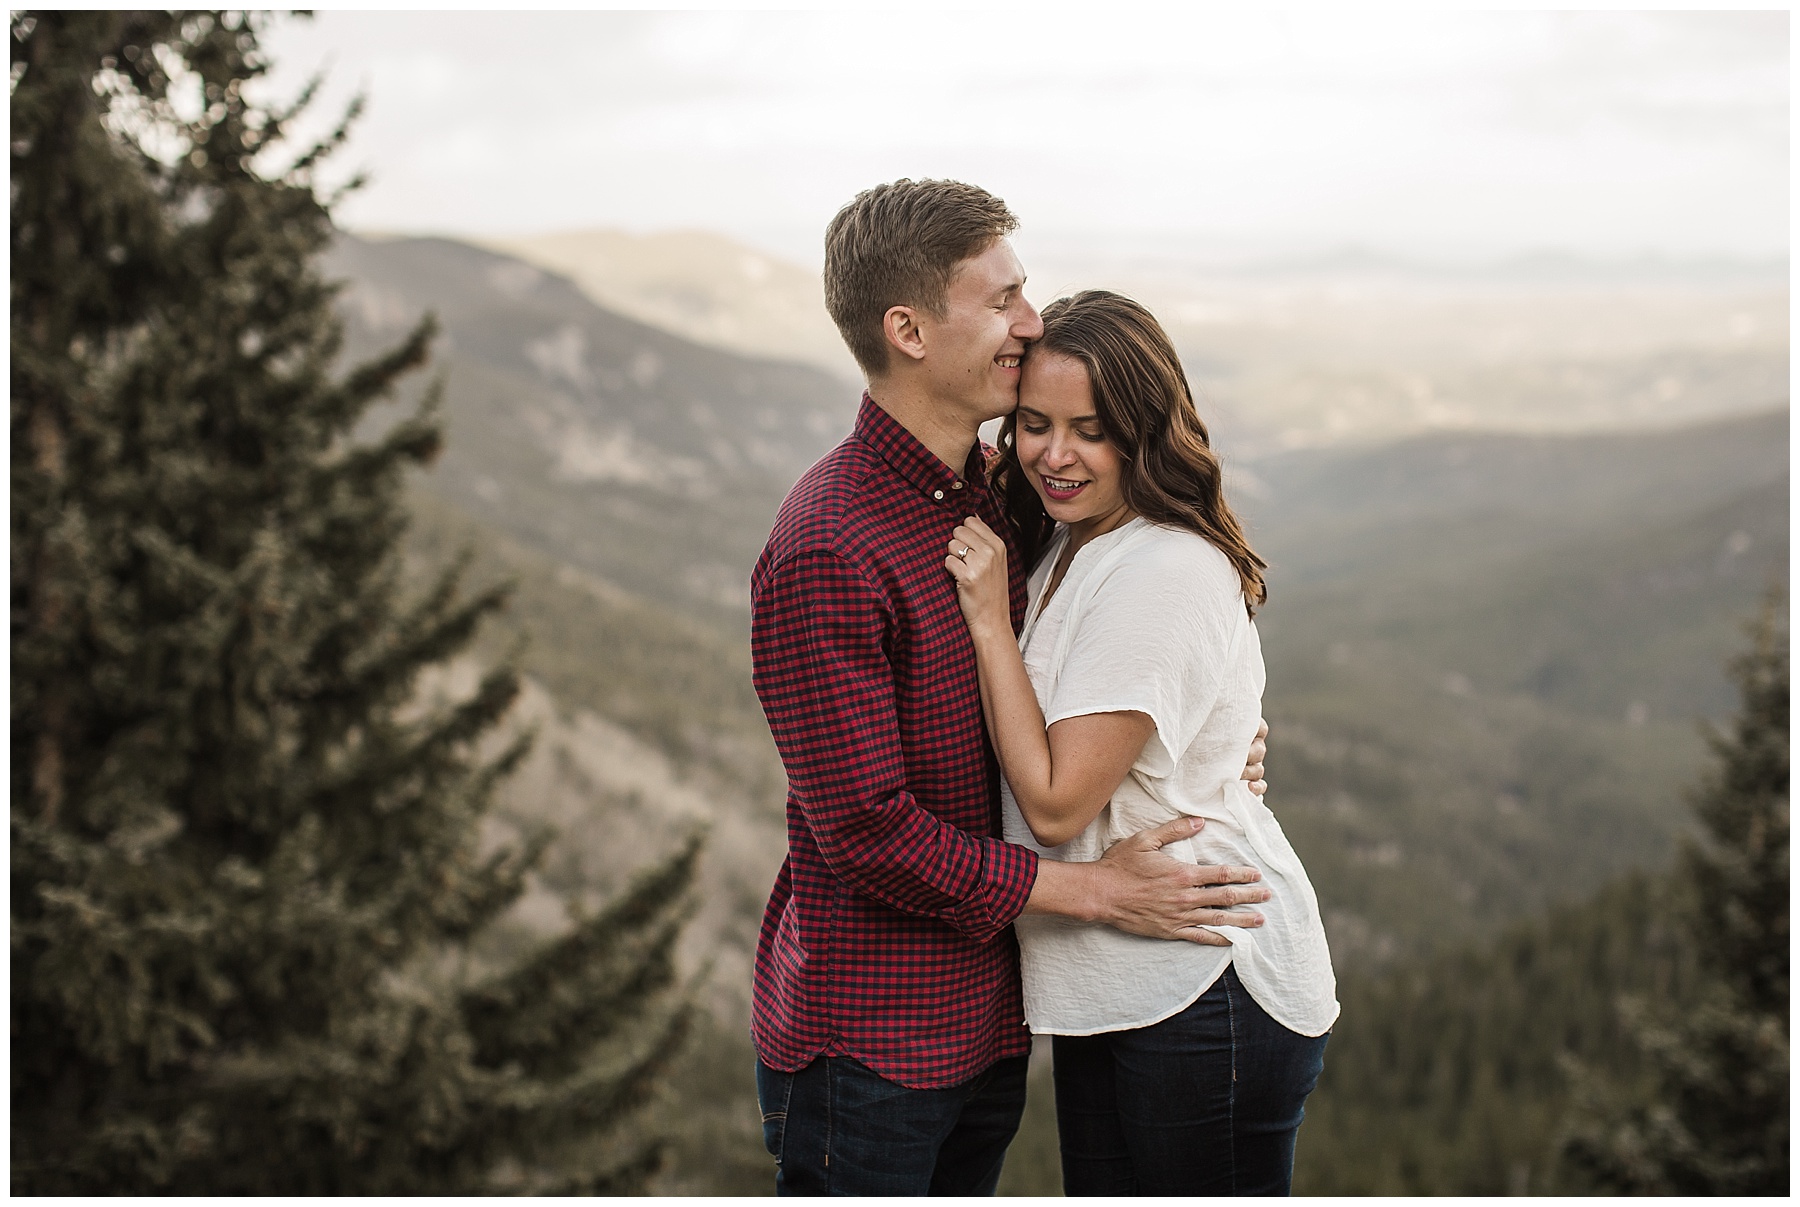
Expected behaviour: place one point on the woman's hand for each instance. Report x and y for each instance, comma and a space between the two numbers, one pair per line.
1062, 778
977, 561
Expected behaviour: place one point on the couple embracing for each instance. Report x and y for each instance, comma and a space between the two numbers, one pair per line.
1017, 694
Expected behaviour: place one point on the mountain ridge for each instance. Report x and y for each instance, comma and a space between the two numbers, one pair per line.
629, 452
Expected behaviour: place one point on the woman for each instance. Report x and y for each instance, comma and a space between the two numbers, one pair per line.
1126, 701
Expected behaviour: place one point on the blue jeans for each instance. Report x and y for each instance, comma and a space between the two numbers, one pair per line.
1206, 1102
837, 1127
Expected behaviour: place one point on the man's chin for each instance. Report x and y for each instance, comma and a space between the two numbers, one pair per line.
1000, 407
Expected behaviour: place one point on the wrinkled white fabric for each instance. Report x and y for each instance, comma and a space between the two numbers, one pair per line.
1151, 619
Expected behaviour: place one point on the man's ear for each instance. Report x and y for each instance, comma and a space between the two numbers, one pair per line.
900, 327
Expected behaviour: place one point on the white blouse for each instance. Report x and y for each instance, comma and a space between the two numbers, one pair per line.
1151, 619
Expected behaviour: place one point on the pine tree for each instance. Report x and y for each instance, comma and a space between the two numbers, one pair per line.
1715, 1117
246, 866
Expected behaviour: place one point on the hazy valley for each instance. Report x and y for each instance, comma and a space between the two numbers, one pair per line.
1312, 350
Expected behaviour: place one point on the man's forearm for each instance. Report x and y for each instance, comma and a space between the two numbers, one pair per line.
897, 852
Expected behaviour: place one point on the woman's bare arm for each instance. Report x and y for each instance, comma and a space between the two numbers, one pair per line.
1062, 778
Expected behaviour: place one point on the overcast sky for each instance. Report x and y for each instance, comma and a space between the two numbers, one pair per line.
1426, 134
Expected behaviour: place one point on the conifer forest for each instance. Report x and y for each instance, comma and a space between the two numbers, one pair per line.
392, 813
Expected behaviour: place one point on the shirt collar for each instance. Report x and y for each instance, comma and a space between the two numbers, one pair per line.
916, 463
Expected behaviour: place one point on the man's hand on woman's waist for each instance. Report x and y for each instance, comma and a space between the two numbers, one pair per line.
1138, 889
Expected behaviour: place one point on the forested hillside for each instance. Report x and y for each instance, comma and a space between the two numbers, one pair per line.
1450, 1074
1487, 654
1633, 1042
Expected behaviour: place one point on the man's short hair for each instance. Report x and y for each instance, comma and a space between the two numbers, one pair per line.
898, 245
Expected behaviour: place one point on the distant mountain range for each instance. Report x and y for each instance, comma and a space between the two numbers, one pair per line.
1343, 347
1172, 255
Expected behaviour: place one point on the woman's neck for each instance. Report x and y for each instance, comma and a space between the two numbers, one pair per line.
1080, 533
1083, 531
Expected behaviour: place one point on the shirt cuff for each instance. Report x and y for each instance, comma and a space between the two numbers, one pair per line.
1008, 872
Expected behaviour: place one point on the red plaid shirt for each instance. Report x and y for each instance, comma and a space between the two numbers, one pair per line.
888, 935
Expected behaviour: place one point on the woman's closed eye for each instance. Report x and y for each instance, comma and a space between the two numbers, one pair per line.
1044, 428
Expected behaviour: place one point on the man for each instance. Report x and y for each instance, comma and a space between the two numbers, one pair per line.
887, 1018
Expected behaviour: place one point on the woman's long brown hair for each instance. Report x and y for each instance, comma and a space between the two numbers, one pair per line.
1171, 474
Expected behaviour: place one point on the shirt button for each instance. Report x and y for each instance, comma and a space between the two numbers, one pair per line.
956, 486
937, 494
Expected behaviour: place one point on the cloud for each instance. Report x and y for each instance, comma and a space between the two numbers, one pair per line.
1598, 132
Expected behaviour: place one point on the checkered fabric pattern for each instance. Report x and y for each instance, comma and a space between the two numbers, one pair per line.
888, 935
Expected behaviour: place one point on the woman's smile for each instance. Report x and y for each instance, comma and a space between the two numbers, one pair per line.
1063, 490
1074, 468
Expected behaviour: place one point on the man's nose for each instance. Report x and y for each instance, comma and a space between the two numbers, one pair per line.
1029, 325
